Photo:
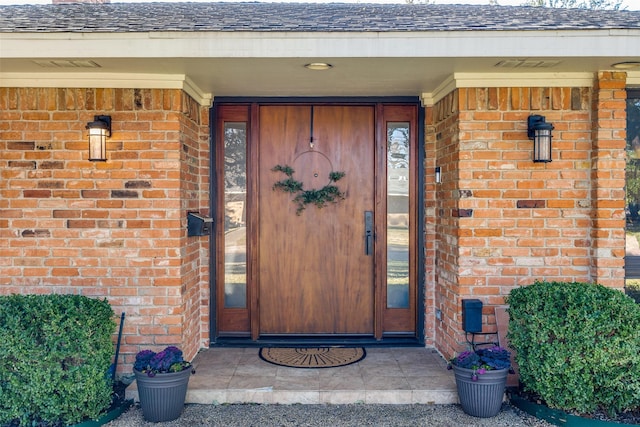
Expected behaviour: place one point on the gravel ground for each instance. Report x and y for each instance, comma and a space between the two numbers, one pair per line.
247, 415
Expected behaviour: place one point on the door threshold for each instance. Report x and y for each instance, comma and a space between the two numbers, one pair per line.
316, 341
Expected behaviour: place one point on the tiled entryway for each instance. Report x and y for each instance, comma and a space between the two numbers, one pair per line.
385, 375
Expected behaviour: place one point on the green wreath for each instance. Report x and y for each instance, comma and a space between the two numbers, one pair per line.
328, 194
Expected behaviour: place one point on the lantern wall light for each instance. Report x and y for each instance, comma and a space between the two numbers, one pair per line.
540, 131
99, 130
438, 175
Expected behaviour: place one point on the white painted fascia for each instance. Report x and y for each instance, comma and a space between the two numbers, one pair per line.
462, 80
107, 80
238, 44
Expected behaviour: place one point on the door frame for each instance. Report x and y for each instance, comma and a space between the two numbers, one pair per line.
253, 339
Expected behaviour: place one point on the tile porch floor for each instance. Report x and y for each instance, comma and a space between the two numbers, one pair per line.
386, 375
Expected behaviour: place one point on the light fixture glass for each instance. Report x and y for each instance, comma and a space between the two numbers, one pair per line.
99, 130
540, 131
318, 66
438, 175
627, 65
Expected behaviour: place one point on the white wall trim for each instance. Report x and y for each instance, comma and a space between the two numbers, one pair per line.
180, 81
462, 80
633, 79
107, 80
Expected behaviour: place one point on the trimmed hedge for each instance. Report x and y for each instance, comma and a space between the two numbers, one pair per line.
578, 345
55, 351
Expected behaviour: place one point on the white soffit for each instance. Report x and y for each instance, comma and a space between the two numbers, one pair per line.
466, 80
269, 63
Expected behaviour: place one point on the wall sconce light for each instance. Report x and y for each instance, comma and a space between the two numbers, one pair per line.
540, 131
99, 130
438, 175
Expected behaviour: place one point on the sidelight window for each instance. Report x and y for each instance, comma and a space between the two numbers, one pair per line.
235, 229
398, 214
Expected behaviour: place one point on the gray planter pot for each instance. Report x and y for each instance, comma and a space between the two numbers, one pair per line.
162, 396
483, 397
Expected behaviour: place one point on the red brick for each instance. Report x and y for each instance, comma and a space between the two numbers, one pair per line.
40, 194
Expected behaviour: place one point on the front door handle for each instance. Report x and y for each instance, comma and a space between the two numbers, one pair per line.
368, 233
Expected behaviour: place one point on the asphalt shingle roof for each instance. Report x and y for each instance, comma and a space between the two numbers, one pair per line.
301, 17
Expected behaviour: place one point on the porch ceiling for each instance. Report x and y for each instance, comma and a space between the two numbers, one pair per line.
364, 64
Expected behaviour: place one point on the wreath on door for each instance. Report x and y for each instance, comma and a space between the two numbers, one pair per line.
330, 193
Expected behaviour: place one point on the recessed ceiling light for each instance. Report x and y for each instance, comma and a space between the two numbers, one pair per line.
318, 66
628, 65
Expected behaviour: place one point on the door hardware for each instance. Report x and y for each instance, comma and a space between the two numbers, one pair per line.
368, 233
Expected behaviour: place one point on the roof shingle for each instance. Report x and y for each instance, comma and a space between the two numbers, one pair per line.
301, 17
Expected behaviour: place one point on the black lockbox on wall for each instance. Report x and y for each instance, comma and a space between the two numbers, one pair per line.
198, 225
472, 315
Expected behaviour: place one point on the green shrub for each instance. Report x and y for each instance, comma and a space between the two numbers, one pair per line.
578, 345
55, 351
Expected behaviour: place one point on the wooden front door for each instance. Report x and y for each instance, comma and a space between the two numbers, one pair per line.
316, 272
346, 269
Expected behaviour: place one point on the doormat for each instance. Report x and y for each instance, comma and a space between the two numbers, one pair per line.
318, 357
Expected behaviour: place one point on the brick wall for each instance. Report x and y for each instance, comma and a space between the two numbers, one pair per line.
118, 229
114, 229
502, 221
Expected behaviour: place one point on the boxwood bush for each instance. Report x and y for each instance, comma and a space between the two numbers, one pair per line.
55, 351
578, 345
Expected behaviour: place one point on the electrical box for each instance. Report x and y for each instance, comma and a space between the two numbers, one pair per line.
472, 315
198, 225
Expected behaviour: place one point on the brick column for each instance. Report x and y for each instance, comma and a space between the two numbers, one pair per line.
444, 129
430, 224
608, 179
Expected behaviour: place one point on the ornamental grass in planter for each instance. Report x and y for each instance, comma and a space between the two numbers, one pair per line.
577, 346
162, 380
481, 376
